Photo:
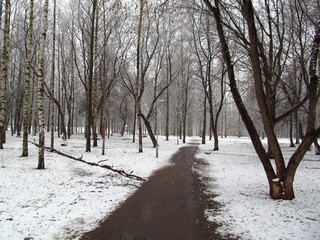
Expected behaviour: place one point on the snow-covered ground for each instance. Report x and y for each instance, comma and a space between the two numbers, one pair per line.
70, 197
247, 211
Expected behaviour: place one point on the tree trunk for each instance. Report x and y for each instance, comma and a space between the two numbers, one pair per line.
212, 122
53, 76
291, 132
95, 85
167, 114
184, 114
41, 85
317, 147
204, 121
4, 74
275, 189
149, 129
139, 79
26, 115
104, 104
123, 113
134, 122
90, 78
311, 134
169, 80
297, 127
265, 111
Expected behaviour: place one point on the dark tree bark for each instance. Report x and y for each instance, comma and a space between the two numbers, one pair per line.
280, 182
139, 79
89, 84
52, 80
275, 189
291, 132
204, 121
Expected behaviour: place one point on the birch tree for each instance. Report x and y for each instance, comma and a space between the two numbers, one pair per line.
4, 72
26, 116
41, 163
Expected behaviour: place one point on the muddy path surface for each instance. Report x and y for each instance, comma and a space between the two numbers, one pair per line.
168, 206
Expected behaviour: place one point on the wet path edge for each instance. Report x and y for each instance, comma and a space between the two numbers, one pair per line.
165, 207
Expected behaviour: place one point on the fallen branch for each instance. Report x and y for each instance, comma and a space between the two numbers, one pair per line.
121, 172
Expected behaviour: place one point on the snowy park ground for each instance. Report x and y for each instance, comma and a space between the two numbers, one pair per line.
69, 197
247, 211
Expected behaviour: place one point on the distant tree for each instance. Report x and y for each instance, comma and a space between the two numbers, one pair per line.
53, 69
206, 53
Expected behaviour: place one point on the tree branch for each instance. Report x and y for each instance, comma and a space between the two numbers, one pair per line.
121, 172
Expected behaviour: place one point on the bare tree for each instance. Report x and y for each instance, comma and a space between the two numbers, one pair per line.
52, 80
26, 116
281, 180
41, 84
206, 52
139, 77
4, 72
89, 84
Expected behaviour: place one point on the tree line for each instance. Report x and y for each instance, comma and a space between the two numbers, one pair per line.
195, 67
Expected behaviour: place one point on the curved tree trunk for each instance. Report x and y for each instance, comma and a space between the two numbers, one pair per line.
265, 111
149, 129
275, 189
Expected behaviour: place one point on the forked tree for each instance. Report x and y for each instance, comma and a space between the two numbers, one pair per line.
281, 178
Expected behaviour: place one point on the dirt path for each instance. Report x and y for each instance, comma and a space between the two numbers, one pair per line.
168, 206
